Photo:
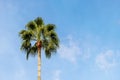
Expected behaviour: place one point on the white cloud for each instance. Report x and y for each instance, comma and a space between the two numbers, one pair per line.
70, 50
106, 61
56, 75
86, 54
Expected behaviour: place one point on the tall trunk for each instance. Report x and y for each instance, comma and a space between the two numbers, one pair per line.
39, 64
39, 43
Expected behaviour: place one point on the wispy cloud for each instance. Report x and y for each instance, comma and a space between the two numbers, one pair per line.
86, 53
70, 50
106, 60
56, 74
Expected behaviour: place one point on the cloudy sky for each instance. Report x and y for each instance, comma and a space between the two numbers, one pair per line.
89, 32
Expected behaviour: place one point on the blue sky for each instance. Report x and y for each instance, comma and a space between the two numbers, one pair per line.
89, 32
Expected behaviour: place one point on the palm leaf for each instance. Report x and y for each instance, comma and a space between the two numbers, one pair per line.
54, 38
50, 27
51, 48
25, 45
39, 21
32, 50
31, 25
47, 53
27, 35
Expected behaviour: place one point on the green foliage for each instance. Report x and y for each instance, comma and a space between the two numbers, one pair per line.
31, 25
50, 27
36, 31
25, 45
26, 35
39, 21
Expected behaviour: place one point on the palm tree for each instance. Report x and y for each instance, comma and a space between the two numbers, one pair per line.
37, 36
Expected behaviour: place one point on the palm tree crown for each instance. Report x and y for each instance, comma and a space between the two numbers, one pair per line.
37, 35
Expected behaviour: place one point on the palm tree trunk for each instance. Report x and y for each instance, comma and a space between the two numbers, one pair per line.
39, 64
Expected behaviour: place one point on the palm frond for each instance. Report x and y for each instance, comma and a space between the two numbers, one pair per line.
25, 45
47, 53
27, 55
50, 27
39, 21
26, 35
31, 25
32, 50
51, 48
21, 32
54, 38
44, 43
51, 41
